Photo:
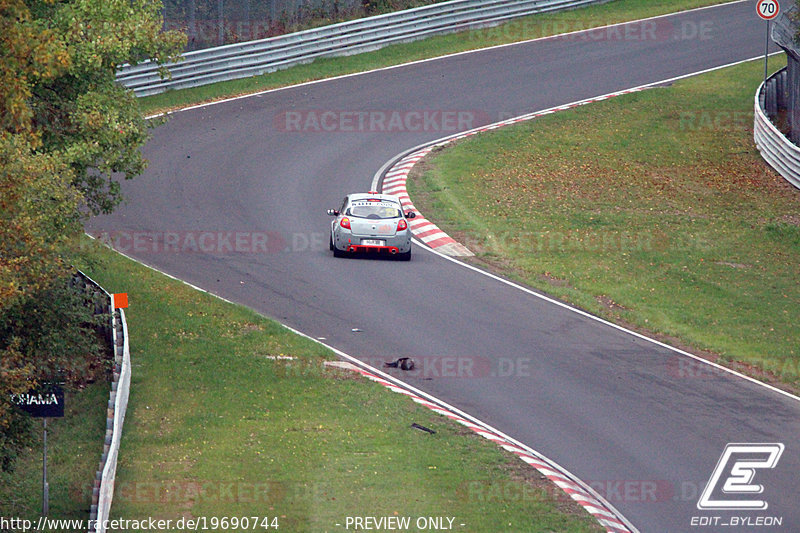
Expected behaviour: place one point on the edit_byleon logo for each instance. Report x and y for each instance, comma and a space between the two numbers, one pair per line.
731, 486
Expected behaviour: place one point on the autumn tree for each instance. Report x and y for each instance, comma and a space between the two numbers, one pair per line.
68, 134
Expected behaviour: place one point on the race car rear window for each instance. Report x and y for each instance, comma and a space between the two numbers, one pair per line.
375, 210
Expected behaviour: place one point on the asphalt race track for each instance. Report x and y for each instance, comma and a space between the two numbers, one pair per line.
643, 425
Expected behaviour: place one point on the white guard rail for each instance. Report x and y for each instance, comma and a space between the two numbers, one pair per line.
775, 147
252, 58
119, 397
103, 489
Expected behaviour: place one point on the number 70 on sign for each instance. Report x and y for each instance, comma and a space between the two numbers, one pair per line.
768, 9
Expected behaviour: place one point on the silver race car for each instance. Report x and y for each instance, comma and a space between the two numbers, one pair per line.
371, 223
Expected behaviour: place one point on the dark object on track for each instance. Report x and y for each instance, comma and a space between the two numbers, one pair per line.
404, 363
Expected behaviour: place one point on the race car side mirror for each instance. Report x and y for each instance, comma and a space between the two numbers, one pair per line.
333, 212
411, 214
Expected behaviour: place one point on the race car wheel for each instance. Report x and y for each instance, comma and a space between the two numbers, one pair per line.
336, 252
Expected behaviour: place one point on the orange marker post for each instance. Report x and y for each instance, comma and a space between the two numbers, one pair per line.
121, 300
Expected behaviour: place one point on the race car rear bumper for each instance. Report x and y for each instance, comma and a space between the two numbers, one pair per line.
360, 248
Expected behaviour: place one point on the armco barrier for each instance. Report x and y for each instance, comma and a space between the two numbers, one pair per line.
103, 488
775, 147
252, 58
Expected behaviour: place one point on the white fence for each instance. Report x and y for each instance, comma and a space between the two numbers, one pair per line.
775, 147
252, 58
103, 489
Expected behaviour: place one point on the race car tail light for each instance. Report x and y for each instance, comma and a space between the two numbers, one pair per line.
402, 224
345, 222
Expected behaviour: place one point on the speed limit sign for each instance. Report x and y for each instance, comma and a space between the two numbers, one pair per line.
768, 9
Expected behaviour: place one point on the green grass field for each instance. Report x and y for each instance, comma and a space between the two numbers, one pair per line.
218, 427
652, 209
517, 30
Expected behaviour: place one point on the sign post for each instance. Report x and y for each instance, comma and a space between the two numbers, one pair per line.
767, 10
45, 484
44, 402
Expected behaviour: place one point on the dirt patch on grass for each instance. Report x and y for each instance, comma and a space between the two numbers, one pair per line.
733, 265
610, 304
792, 220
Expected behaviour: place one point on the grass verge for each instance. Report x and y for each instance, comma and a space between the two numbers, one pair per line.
653, 209
217, 427
521, 29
